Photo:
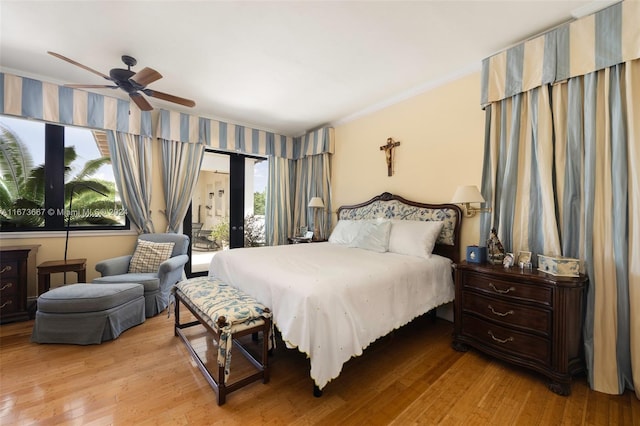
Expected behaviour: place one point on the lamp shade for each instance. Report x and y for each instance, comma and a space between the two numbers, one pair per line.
316, 202
467, 194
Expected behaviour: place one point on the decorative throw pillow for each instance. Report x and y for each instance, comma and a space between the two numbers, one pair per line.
149, 255
414, 237
373, 235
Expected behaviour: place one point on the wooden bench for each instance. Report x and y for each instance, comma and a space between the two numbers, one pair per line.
228, 314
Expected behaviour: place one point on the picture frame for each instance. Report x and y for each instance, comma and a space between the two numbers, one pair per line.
524, 257
308, 235
303, 231
508, 260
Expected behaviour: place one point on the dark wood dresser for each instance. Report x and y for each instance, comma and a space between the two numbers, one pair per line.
13, 285
529, 318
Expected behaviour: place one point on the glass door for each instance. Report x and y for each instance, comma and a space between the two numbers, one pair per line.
224, 198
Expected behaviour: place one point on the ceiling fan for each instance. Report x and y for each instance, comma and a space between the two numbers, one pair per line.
130, 81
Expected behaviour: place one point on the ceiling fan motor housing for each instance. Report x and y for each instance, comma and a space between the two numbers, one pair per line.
122, 79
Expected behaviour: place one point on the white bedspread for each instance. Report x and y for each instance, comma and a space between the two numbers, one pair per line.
331, 301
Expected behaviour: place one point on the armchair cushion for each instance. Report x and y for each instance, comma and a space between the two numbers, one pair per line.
149, 255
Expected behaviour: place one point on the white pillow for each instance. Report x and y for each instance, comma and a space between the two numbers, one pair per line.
345, 231
373, 235
414, 237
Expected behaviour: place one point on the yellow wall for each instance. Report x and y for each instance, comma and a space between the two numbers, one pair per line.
441, 134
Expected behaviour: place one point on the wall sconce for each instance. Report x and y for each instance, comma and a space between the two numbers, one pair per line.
220, 192
316, 203
211, 194
466, 195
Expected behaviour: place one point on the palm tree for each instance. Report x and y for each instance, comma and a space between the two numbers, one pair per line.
23, 187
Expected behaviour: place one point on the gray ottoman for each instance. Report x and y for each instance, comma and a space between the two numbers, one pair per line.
151, 284
85, 314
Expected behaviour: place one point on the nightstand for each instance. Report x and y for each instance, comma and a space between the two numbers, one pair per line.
528, 318
13, 286
301, 240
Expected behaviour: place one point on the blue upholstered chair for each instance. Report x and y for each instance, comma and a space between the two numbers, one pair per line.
156, 274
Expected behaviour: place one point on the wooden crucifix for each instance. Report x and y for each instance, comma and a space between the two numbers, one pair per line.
388, 151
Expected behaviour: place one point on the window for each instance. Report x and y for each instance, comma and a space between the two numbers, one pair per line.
54, 176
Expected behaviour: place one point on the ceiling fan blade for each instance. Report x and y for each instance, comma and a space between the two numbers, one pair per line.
71, 61
170, 98
91, 86
146, 76
139, 100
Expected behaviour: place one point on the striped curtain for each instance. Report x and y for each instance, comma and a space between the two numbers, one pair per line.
278, 211
222, 136
131, 159
181, 163
312, 179
297, 176
561, 171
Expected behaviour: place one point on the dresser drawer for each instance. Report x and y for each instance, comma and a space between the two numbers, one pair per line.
508, 290
508, 340
8, 269
508, 313
9, 296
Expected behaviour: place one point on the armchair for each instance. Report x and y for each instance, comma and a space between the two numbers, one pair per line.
157, 285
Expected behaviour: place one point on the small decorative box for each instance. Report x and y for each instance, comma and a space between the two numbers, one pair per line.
559, 266
476, 254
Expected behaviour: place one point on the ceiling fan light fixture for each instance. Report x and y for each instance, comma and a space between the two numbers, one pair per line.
131, 82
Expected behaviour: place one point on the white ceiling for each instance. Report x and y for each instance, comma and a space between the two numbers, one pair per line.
282, 66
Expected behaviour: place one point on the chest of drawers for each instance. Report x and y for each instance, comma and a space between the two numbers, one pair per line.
13, 285
528, 318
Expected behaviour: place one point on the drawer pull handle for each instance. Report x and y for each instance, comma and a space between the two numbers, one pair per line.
501, 291
508, 339
5, 269
6, 286
8, 302
500, 314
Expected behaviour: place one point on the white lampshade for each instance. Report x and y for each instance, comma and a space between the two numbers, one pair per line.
467, 194
316, 202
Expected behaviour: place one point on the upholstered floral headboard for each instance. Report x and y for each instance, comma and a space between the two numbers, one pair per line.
389, 206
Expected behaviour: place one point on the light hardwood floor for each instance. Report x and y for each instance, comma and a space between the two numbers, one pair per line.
146, 377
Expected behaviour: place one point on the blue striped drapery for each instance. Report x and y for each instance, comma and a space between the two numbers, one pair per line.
595, 42
299, 167
561, 174
181, 163
132, 170
293, 182
230, 137
279, 202
38, 100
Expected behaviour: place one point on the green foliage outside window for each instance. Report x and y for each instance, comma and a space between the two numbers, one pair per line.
23, 189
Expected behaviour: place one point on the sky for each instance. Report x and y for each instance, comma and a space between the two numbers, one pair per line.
79, 137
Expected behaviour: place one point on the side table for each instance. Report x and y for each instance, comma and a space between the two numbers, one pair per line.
45, 269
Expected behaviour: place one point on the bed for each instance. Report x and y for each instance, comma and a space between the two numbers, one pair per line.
331, 300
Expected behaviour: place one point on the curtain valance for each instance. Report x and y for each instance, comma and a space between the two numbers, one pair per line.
215, 134
316, 142
183, 127
34, 99
608, 37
